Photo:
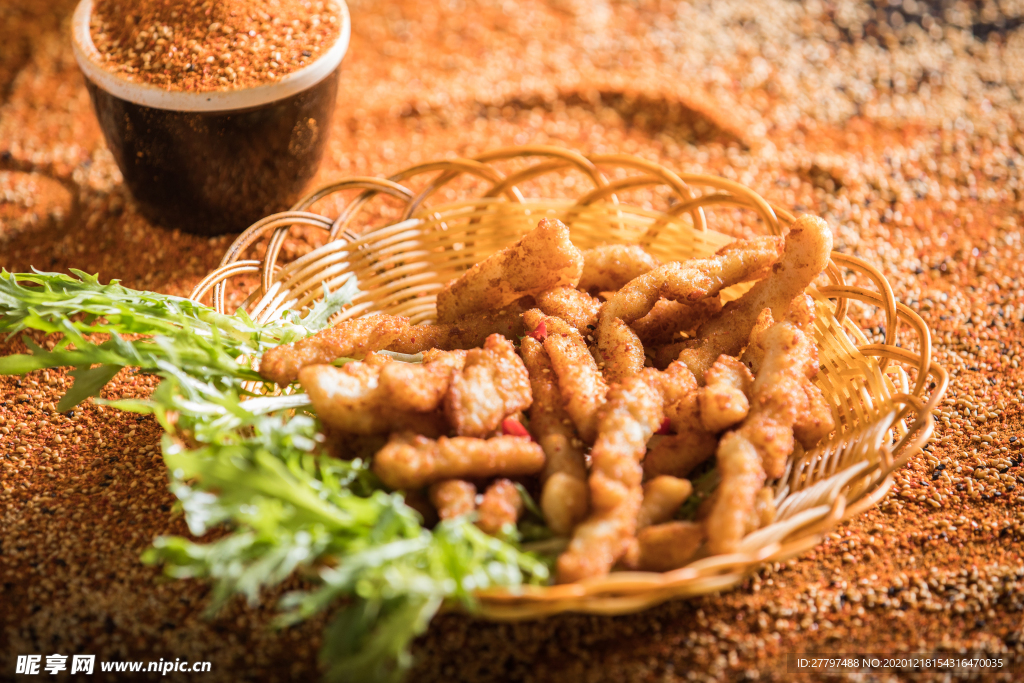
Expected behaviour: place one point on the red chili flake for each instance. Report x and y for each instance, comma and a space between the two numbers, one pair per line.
541, 332
665, 427
513, 427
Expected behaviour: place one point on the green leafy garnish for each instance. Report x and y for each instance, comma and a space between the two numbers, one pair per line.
253, 464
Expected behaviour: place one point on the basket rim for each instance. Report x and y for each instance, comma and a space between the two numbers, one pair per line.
622, 592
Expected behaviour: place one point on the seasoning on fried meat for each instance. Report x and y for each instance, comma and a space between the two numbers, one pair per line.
723, 400
411, 460
633, 413
453, 498
501, 505
543, 259
348, 339
492, 385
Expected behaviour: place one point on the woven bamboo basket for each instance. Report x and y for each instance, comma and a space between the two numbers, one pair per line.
881, 394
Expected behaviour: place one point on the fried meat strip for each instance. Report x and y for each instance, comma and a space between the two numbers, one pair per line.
668, 546
453, 498
492, 385
633, 413
608, 268
564, 497
348, 339
468, 333
579, 380
668, 318
411, 460
688, 282
351, 399
501, 505
723, 400
577, 308
543, 259
662, 497
762, 444
742, 476
690, 444
421, 387
808, 245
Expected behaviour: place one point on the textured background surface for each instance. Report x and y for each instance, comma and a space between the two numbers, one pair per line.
900, 123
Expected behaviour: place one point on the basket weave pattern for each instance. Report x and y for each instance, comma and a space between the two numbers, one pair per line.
882, 395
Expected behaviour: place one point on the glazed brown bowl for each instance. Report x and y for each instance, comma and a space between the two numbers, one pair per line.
214, 162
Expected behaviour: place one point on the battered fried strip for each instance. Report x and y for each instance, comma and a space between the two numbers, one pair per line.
543, 259
742, 476
763, 513
501, 505
760, 447
668, 546
453, 498
723, 401
565, 497
350, 399
577, 308
668, 318
808, 246
691, 444
633, 413
468, 333
679, 454
492, 385
411, 460
420, 387
815, 423
539, 325
690, 281
608, 268
662, 497
579, 380
348, 339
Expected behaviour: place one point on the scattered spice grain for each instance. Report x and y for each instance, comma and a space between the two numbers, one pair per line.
203, 45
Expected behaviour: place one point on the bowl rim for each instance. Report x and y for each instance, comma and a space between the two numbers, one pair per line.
91, 63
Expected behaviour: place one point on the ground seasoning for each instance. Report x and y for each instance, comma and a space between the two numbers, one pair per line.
213, 45
900, 124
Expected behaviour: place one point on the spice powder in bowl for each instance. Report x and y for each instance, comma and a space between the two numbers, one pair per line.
202, 46
217, 113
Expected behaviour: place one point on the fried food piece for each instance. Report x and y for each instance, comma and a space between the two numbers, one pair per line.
688, 282
742, 476
668, 318
662, 497
753, 355
690, 444
350, 399
577, 308
453, 498
633, 413
492, 385
579, 380
608, 268
723, 400
543, 259
421, 387
539, 325
348, 339
808, 246
763, 513
501, 505
468, 333
679, 454
564, 497
668, 546
410, 460
817, 421
778, 398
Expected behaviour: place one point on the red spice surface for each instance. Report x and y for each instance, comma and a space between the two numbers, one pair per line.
203, 45
901, 125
